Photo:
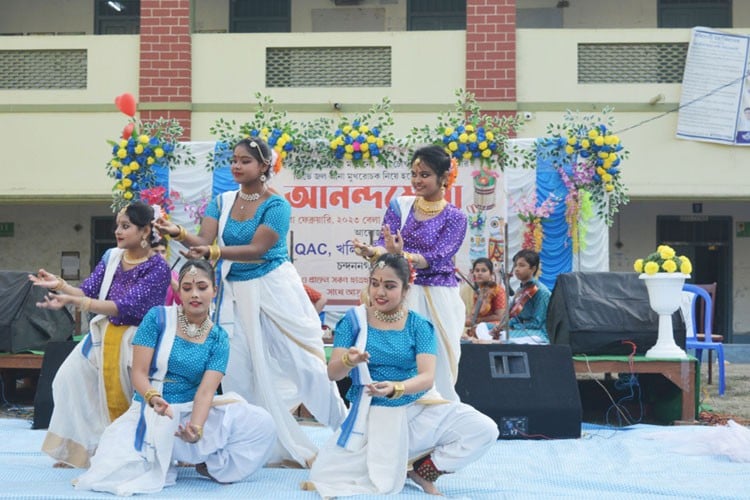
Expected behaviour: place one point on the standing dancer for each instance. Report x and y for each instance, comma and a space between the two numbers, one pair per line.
396, 417
92, 387
429, 231
179, 358
277, 359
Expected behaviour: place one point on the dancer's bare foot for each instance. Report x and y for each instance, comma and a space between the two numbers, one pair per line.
62, 465
426, 485
202, 469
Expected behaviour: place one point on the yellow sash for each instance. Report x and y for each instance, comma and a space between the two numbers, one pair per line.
117, 401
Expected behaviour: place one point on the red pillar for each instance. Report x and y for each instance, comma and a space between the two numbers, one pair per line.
491, 49
166, 59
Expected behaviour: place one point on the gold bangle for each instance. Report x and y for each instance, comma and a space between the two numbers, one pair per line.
347, 362
398, 390
85, 304
149, 395
181, 234
376, 253
199, 431
214, 252
61, 283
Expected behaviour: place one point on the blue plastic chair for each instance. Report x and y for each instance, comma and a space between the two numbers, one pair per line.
704, 340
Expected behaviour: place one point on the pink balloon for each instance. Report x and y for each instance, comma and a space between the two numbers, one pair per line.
128, 130
126, 103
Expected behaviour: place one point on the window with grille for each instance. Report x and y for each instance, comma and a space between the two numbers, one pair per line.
690, 13
435, 15
260, 16
322, 67
636, 62
117, 18
43, 69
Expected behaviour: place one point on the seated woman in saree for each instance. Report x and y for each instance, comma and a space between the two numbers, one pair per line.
92, 387
179, 358
277, 358
396, 420
527, 322
487, 306
429, 231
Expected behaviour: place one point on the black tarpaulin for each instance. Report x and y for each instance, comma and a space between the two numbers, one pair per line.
596, 312
23, 326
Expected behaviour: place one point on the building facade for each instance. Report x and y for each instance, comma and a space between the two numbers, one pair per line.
63, 61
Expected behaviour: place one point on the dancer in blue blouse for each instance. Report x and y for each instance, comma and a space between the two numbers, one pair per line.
396, 416
276, 357
179, 358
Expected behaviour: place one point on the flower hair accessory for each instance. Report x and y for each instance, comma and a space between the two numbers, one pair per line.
159, 213
452, 173
412, 272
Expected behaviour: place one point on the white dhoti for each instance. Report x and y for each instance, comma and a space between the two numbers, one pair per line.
454, 433
276, 359
80, 394
237, 440
444, 308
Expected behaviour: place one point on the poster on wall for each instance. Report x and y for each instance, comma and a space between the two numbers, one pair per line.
715, 100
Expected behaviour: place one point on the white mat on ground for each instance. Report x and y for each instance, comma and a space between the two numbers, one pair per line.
604, 463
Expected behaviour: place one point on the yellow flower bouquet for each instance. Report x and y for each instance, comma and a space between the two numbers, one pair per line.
144, 147
663, 260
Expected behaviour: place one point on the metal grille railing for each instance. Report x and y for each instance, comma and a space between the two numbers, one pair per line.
43, 69
631, 62
328, 67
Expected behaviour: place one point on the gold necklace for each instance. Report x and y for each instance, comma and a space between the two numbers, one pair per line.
251, 196
134, 262
389, 317
191, 330
430, 207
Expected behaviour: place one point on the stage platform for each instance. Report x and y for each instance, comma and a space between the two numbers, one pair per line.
605, 462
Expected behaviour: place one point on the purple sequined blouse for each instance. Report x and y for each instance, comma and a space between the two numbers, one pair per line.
135, 291
437, 240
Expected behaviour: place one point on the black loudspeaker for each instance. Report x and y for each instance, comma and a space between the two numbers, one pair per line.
530, 391
54, 355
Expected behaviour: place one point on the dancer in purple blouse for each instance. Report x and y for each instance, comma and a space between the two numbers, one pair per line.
92, 387
429, 231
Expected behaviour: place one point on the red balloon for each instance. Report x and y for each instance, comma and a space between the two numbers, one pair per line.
128, 130
126, 103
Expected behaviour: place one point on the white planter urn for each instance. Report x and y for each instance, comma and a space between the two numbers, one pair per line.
665, 295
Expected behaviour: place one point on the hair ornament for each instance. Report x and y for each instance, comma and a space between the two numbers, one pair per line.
254, 144
159, 213
193, 271
380, 264
412, 272
276, 161
452, 173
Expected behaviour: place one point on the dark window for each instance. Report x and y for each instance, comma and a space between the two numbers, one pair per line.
691, 13
102, 237
260, 16
435, 15
121, 17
